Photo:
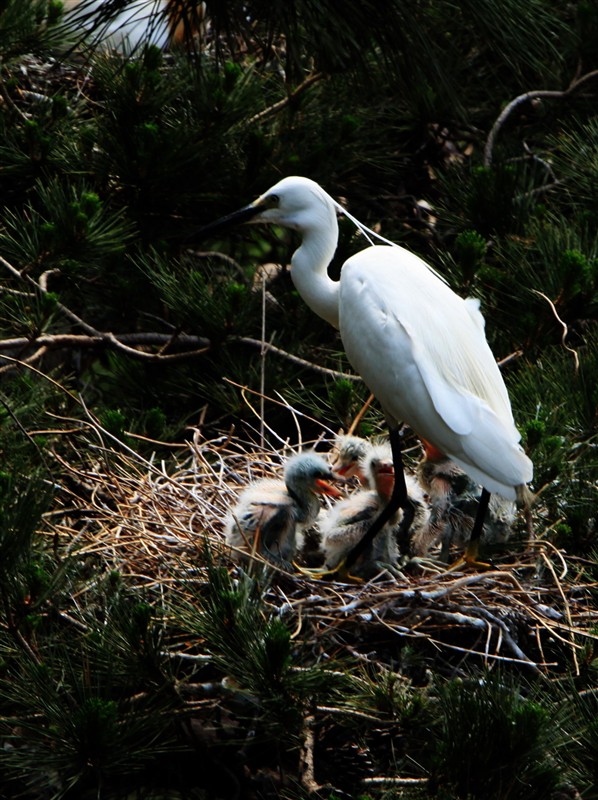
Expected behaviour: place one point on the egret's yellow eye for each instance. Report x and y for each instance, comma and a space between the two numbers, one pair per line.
272, 201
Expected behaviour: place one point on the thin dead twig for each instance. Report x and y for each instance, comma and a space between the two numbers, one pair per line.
276, 107
539, 94
563, 325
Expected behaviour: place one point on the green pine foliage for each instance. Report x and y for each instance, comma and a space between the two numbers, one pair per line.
108, 168
90, 708
494, 742
256, 653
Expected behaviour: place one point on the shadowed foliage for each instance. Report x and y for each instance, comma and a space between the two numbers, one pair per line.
146, 375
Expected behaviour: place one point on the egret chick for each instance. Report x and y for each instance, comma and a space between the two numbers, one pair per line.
270, 511
346, 457
343, 527
453, 498
345, 460
420, 347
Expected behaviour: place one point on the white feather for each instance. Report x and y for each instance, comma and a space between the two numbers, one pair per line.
419, 347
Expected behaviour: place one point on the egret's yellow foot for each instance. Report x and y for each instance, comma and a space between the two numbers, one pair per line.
469, 559
314, 572
340, 571
343, 574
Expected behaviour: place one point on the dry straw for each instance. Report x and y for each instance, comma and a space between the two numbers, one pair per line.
159, 523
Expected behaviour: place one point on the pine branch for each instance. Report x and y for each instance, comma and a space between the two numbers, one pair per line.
125, 342
22, 276
276, 107
7, 99
537, 94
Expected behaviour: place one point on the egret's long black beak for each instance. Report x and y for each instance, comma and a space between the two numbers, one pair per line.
244, 214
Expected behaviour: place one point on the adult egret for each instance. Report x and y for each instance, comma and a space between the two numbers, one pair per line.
269, 511
453, 498
420, 348
140, 22
344, 525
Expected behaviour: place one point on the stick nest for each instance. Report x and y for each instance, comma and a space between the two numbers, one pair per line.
159, 524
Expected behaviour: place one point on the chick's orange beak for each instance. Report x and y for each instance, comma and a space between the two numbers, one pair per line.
322, 487
386, 479
345, 471
431, 451
351, 471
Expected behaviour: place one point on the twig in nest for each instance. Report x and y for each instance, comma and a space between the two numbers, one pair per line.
306, 764
550, 566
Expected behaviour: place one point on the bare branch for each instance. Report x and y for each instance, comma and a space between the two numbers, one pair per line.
120, 342
564, 327
333, 373
511, 357
41, 351
273, 109
538, 94
125, 342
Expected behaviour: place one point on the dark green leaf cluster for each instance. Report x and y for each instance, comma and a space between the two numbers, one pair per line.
255, 651
108, 166
93, 707
517, 756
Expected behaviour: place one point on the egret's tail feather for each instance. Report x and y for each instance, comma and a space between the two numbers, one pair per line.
525, 496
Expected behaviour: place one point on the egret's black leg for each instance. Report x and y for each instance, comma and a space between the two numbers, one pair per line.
398, 499
473, 546
470, 556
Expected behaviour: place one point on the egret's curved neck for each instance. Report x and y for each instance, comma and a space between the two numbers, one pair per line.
309, 271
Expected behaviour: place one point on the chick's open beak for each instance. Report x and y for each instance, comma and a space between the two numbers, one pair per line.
347, 471
322, 487
385, 479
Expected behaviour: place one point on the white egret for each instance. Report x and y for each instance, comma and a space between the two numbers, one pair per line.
348, 521
269, 512
138, 23
125, 30
420, 348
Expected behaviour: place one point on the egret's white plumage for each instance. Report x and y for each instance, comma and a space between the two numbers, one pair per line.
346, 523
419, 347
269, 512
141, 22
